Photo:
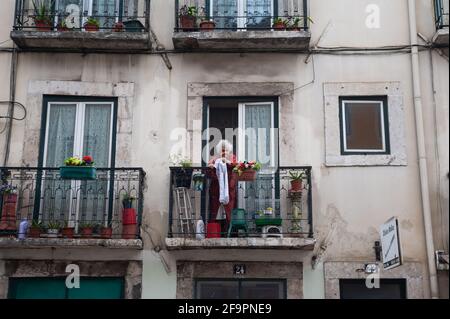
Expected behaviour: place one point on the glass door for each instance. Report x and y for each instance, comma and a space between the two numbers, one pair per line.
77, 129
242, 14
257, 141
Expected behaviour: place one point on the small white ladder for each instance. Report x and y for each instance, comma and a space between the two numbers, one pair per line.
184, 208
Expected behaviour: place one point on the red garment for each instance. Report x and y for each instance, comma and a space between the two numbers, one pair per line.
214, 194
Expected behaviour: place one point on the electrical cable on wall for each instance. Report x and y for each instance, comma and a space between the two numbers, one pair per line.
15, 118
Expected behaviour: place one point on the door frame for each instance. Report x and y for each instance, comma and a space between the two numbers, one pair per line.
48, 99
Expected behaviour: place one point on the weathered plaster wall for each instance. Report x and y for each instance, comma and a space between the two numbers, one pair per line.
349, 202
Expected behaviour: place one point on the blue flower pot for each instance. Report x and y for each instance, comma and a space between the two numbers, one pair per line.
78, 172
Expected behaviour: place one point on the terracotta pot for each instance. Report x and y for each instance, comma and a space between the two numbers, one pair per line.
119, 27
68, 232
87, 232
187, 22
296, 185
62, 29
279, 26
91, 27
207, 25
43, 26
106, 232
34, 232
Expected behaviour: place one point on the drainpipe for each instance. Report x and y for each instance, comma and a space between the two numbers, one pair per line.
426, 208
12, 98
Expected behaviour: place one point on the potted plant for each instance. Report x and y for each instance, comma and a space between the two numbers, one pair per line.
296, 178
279, 24
119, 26
86, 230
294, 23
76, 168
183, 173
92, 24
53, 229
62, 25
9, 205
188, 17
106, 231
246, 171
42, 15
206, 24
35, 229
67, 231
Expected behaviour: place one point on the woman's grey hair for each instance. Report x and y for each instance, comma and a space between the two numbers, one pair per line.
224, 144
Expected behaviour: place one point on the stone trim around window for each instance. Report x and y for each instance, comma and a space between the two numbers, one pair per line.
124, 92
188, 272
283, 90
396, 120
411, 271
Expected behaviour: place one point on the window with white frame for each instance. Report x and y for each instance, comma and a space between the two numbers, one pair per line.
364, 125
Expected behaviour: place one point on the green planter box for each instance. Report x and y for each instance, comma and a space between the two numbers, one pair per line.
261, 222
78, 172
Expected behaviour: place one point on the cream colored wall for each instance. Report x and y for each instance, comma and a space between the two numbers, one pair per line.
352, 202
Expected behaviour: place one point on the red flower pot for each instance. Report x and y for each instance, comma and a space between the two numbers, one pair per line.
34, 232
187, 22
68, 232
207, 25
86, 232
43, 26
119, 27
106, 232
213, 230
91, 27
296, 185
247, 176
279, 26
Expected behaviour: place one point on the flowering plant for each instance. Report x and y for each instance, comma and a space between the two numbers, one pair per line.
8, 189
245, 166
76, 161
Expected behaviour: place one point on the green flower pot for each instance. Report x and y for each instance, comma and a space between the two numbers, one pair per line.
78, 172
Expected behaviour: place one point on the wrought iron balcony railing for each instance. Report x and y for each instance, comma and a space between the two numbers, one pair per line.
240, 15
270, 206
441, 11
81, 15
74, 207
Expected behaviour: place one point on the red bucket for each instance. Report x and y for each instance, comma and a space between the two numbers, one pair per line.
129, 216
213, 230
129, 231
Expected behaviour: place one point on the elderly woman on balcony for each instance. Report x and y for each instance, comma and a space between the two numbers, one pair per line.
223, 183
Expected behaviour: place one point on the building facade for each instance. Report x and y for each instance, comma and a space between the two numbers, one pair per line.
350, 97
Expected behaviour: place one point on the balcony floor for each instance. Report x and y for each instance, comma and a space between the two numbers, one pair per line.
255, 41
70, 243
79, 41
241, 243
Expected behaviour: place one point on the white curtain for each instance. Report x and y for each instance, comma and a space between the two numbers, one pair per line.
55, 193
258, 124
225, 13
259, 13
96, 143
106, 12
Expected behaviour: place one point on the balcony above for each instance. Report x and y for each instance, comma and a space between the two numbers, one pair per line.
273, 210
82, 26
269, 26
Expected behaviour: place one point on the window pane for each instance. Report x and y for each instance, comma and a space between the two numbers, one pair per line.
363, 126
357, 289
217, 290
37, 288
262, 290
224, 13
259, 13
